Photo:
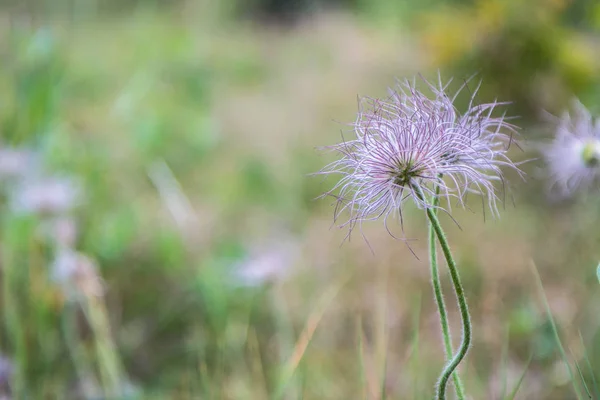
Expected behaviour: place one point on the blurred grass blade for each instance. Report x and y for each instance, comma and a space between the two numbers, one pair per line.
107, 355
515, 390
285, 337
585, 386
384, 377
415, 347
171, 193
368, 364
361, 357
561, 349
590, 369
257, 368
382, 329
504, 363
205, 382
76, 349
17, 236
292, 363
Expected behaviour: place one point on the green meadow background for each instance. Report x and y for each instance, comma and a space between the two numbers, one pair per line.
188, 256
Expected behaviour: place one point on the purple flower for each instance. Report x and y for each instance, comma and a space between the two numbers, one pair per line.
573, 157
46, 195
16, 163
405, 144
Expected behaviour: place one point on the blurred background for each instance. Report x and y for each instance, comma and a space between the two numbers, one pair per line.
160, 237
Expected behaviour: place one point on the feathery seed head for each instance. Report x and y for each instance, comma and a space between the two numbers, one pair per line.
404, 144
573, 157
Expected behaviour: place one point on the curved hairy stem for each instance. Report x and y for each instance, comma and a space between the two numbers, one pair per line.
439, 298
460, 296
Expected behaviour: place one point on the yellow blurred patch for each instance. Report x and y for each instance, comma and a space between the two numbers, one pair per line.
448, 35
490, 15
576, 60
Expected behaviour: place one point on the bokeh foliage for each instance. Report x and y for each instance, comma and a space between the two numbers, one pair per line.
191, 135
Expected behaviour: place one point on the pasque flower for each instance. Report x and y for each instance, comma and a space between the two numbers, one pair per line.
403, 145
413, 146
573, 157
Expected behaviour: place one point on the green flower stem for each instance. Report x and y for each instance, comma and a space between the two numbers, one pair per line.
439, 298
460, 296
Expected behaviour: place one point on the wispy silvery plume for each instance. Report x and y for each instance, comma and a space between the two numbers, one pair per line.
404, 144
573, 157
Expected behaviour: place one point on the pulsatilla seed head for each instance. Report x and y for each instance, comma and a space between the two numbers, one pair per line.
573, 156
402, 147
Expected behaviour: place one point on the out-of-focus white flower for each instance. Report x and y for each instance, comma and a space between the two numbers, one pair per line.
54, 196
76, 273
573, 157
16, 163
64, 265
267, 264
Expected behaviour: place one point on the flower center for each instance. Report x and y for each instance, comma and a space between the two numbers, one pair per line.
590, 154
404, 173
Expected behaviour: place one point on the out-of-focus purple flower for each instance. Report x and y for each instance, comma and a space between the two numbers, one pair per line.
405, 143
51, 195
76, 273
573, 157
269, 263
16, 163
6, 376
